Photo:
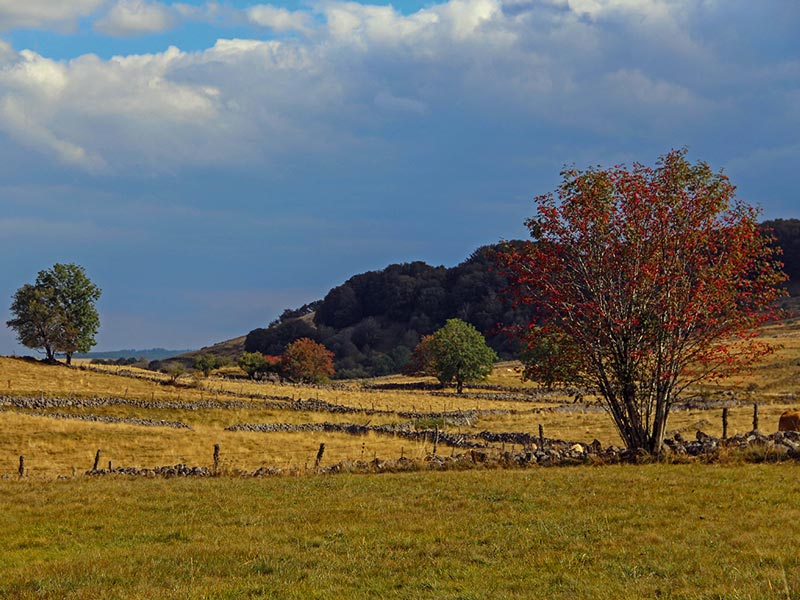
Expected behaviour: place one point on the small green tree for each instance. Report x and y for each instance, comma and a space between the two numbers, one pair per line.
57, 313
460, 353
175, 371
208, 362
252, 363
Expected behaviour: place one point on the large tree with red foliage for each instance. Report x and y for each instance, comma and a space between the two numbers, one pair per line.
307, 361
645, 280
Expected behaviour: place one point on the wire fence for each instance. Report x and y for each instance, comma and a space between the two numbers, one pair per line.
46, 462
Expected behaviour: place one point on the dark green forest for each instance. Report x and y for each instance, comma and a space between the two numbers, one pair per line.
787, 237
374, 320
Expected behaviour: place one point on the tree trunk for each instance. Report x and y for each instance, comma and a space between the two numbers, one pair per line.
69, 358
459, 385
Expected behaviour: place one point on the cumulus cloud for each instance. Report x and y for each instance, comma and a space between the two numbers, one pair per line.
280, 19
360, 71
135, 17
44, 13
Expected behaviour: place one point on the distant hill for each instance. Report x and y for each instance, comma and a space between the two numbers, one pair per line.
149, 354
231, 349
373, 321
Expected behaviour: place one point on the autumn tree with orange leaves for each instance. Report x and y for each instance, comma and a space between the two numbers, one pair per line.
307, 361
644, 281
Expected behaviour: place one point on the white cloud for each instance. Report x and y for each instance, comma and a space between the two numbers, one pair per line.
44, 13
280, 19
359, 68
135, 17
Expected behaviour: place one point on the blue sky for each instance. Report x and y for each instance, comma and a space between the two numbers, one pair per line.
212, 163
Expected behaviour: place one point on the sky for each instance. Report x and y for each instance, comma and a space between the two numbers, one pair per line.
212, 163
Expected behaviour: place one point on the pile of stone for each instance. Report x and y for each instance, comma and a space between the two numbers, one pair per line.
109, 419
180, 470
782, 443
491, 396
403, 430
48, 402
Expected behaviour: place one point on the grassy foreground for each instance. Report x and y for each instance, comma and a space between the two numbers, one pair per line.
669, 531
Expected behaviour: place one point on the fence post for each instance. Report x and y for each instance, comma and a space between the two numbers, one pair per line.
320, 452
435, 439
216, 458
21, 466
96, 460
725, 423
541, 438
755, 416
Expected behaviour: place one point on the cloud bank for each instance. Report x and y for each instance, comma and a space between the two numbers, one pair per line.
356, 70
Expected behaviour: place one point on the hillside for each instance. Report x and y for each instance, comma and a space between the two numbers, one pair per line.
231, 349
373, 321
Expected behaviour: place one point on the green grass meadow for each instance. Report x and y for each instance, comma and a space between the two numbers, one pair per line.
621, 531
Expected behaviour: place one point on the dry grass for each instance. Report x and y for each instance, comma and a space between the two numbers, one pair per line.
54, 447
62, 447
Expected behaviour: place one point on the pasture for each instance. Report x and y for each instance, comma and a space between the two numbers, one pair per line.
620, 531
691, 530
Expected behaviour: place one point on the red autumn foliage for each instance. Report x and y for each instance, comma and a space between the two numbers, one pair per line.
273, 363
307, 361
422, 359
644, 280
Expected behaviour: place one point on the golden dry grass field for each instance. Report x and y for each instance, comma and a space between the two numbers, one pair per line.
53, 447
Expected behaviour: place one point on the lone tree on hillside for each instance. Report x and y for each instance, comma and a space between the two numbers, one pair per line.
57, 312
252, 363
458, 352
208, 362
256, 365
645, 280
307, 361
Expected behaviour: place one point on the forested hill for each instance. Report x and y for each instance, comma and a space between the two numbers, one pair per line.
373, 321
787, 234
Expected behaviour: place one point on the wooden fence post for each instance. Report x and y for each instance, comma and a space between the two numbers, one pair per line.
320, 452
541, 438
96, 460
216, 458
435, 439
21, 466
725, 423
755, 416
